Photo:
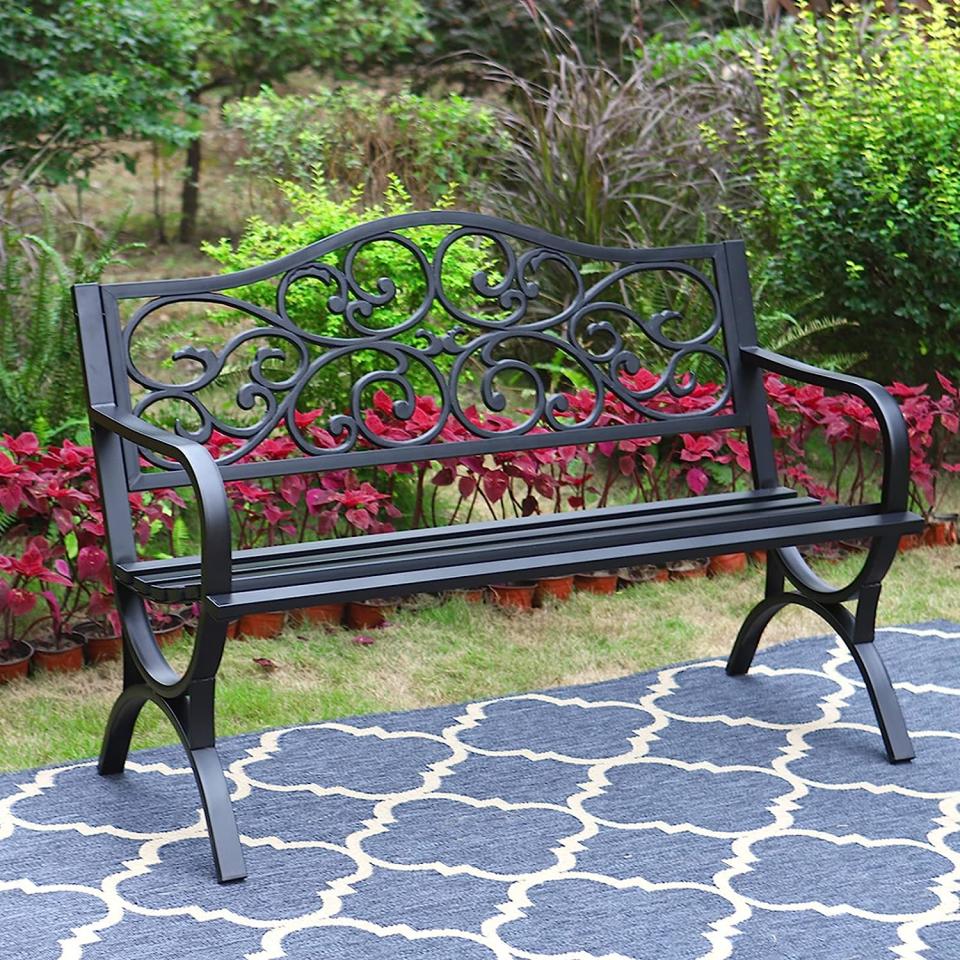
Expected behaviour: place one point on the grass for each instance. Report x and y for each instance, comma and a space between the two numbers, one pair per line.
446, 652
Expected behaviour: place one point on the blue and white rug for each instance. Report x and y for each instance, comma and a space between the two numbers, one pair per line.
670, 815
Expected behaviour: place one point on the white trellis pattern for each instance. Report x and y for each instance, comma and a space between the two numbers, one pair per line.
674, 815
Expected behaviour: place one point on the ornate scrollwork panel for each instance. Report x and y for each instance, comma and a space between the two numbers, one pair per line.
534, 320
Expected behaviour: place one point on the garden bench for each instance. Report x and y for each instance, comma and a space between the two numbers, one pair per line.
509, 327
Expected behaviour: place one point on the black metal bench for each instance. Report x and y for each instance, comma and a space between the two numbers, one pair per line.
520, 327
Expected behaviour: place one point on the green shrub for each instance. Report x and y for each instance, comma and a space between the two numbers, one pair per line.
357, 136
318, 214
41, 384
858, 180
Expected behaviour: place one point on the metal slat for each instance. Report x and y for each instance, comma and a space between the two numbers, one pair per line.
425, 552
663, 508
400, 583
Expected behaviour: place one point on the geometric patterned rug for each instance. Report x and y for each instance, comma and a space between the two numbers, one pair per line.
669, 815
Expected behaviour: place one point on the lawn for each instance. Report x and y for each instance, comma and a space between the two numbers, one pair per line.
438, 652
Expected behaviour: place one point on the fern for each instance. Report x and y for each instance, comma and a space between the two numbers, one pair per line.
41, 386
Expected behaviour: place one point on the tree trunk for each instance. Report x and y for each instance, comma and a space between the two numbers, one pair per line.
190, 194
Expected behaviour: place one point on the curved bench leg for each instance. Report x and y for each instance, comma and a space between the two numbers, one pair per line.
192, 716
886, 706
116, 737
221, 823
745, 646
857, 633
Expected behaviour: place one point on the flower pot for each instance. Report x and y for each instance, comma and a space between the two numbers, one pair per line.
369, 614
67, 658
171, 632
16, 662
688, 569
514, 596
603, 582
759, 557
728, 563
262, 625
910, 541
552, 588
232, 629
99, 644
102, 649
321, 613
940, 530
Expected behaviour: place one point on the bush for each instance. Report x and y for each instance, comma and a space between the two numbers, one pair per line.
858, 180
357, 137
318, 215
41, 384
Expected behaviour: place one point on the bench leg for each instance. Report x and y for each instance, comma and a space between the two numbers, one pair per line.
192, 715
857, 633
745, 646
886, 706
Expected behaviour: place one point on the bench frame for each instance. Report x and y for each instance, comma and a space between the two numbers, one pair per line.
120, 436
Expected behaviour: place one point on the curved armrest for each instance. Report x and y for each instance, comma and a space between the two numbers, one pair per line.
215, 541
893, 428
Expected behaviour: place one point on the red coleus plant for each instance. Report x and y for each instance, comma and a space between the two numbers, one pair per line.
28, 606
54, 571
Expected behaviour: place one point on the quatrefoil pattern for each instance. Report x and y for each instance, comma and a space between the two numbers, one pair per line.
674, 815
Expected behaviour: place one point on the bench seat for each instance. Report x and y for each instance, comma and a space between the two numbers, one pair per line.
480, 553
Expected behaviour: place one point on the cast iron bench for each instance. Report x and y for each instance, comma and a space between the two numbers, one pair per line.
519, 326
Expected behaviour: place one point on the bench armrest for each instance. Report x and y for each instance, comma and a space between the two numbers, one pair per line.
215, 536
893, 428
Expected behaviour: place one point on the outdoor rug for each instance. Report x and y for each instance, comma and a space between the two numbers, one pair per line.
670, 815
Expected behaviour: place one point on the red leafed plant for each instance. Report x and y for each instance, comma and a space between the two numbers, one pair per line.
54, 571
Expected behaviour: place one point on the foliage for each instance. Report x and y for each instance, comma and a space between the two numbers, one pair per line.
607, 159
77, 76
52, 495
828, 445
250, 42
858, 179
509, 31
358, 136
316, 215
41, 384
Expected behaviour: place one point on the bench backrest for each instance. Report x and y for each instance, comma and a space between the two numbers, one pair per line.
536, 304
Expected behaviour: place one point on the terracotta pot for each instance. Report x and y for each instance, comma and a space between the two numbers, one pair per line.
603, 582
319, 613
688, 569
910, 541
728, 563
940, 531
65, 659
172, 632
102, 649
232, 629
369, 614
759, 557
17, 665
263, 625
99, 646
552, 588
514, 596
